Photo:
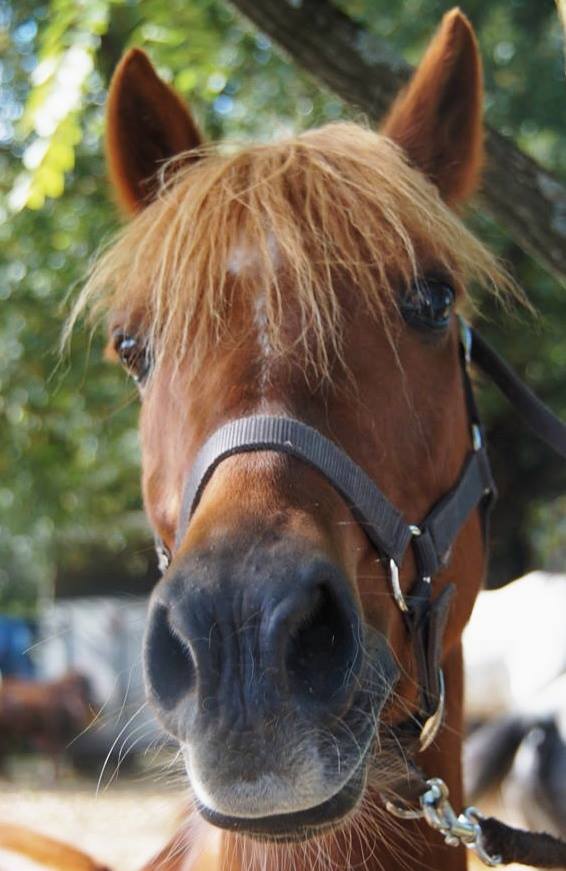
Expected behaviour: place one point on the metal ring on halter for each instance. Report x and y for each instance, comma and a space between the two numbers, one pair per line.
474, 816
431, 726
396, 586
403, 813
466, 337
477, 437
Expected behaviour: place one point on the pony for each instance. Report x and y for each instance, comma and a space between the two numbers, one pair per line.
318, 278
271, 280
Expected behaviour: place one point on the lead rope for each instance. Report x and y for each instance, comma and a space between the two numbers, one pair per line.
493, 842
456, 829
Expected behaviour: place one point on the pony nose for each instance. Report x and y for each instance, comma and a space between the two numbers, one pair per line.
312, 639
236, 652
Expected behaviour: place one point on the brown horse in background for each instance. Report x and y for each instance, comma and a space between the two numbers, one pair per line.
271, 281
43, 715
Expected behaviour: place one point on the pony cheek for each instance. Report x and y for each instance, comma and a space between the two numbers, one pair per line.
160, 437
161, 501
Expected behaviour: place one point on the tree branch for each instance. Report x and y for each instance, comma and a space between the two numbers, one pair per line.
525, 199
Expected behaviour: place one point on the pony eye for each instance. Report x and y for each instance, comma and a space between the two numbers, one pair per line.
133, 355
429, 305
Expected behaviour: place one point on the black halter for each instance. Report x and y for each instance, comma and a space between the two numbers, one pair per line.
431, 539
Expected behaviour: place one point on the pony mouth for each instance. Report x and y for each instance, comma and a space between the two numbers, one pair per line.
300, 825
310, 822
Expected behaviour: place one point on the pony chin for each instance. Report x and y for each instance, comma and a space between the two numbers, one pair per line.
292, 826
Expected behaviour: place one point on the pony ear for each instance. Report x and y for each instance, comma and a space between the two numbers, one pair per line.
146, 124
437, 120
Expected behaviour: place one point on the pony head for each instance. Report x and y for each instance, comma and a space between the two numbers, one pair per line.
272, 279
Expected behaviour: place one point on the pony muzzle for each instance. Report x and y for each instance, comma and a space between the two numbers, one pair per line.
258, 662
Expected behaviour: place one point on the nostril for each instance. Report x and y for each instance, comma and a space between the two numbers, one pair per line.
169, 667
322, 650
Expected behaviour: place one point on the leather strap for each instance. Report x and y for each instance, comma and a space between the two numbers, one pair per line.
544, 423
384, 524
426, 621
442, 525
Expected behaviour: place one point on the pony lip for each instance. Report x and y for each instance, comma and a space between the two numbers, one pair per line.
303, 824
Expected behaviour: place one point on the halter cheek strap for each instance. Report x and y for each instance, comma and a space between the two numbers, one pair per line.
385, 526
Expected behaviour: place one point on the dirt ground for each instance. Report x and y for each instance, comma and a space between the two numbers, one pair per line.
123, 826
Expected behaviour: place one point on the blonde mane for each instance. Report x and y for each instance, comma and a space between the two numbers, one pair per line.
341, 203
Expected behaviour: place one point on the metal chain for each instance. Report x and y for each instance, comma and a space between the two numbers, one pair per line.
439, 814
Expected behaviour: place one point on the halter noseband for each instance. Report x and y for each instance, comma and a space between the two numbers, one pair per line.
385, 526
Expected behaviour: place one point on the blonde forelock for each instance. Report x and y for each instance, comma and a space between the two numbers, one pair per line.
344, 208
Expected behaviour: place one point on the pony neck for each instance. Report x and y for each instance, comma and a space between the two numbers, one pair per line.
377, 844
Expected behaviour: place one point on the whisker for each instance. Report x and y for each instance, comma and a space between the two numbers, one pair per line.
114, 743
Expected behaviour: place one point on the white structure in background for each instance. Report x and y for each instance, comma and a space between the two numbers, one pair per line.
515, 645
515, 650
101, 637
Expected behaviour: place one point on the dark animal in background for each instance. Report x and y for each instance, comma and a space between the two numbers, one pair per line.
43, 716
524, 755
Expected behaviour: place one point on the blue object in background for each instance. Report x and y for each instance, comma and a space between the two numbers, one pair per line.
16, 637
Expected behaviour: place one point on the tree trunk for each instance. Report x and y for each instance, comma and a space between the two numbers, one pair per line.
525, 199
562, 13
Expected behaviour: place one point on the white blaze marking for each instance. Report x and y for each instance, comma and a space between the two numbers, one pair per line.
243, 259
265, 346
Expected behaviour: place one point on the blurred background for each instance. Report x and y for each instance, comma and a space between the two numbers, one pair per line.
76, 555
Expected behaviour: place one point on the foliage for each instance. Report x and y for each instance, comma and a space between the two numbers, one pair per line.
68, 445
